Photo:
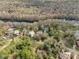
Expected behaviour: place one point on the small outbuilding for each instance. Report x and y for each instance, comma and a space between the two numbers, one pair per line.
31, 33
13, 31
16, 32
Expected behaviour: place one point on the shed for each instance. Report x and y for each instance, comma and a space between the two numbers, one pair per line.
31, 33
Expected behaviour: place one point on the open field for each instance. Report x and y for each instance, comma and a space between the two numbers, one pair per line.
38, 10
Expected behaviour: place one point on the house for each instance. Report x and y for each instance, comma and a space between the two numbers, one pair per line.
4, 37
65, 55
16, 32
13, 31
10, 30
31, 33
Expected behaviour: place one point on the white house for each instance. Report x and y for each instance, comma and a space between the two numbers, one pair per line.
31, 33
16, 32
13, 31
